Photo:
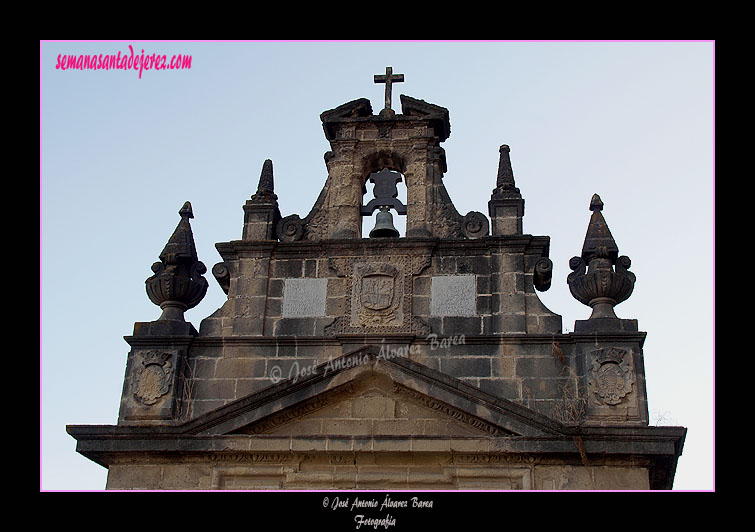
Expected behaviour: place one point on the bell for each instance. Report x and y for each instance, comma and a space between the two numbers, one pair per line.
384, 225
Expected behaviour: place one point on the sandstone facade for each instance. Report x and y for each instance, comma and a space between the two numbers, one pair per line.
426, 361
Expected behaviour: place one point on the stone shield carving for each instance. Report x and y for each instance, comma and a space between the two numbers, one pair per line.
377, 291
152, 378
610, 377
377, 295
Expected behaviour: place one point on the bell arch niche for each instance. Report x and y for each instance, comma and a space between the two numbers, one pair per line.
362, 144
384, 196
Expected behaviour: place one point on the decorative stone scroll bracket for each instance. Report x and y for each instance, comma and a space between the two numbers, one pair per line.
475, 225
293, 228
222, 274
542, 274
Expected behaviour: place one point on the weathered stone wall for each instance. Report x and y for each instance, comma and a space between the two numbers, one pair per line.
382, 469
550, 375
466, 309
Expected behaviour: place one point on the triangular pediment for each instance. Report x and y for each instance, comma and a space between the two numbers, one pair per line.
373, 405
364, 393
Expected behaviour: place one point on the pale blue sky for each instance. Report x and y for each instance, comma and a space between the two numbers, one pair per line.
631, 121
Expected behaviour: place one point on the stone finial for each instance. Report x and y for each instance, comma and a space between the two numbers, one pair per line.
506, 205
598, 240
600, 278
261, 213
504, 184
177, 284
265, 188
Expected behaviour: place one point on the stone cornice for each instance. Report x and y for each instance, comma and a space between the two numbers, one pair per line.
236, 249
657, 447
498, 339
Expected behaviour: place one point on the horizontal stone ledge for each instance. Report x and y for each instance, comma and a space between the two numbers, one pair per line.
419, 339
356, 246
159, 340
251, 340
338, 444
378, 339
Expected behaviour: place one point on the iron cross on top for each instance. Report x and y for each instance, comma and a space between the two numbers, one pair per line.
389, 78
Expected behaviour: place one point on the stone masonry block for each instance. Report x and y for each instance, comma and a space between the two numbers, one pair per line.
246, 387
130, 476
294, 327
288, 268
453, 326
240, 368
218, 389
540, 388
466, 366
506, 388
373, 407
422, 285
275, 288
538, 367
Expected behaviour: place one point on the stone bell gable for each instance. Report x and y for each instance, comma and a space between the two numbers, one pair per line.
385, 361
362, 144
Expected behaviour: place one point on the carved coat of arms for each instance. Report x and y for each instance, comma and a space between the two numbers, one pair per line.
152, 377
378, 291
610, 378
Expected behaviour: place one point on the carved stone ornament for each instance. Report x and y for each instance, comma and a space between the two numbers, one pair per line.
223, 276
152, 377
378, 294
610, 378
476, 225
542, 274
177, 284
290, 228
600, 278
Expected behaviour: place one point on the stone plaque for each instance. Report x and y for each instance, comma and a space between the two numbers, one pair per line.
452, 295
304, 298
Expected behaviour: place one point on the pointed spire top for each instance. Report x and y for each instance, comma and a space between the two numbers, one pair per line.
181, 243
505, 173
186, 211
266, 177
265, 188
596, 204
598, 241
177, 283
504, 184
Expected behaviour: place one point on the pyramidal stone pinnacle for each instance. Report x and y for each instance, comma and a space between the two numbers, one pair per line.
504, 184
599, 241
266, 187
186, 210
